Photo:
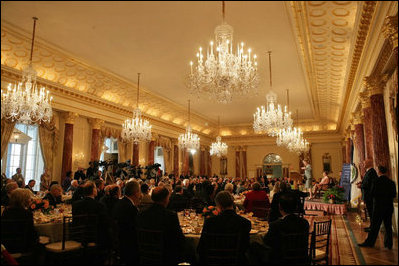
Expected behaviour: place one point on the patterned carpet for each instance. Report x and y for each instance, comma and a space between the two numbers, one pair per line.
342, 251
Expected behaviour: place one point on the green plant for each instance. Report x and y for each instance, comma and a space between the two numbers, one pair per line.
335, 193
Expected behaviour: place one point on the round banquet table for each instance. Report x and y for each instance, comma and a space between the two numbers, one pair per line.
51, 230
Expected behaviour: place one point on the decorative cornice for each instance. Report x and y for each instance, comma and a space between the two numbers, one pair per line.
362, 34
357, 118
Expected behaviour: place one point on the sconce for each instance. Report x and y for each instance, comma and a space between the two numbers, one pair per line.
79, 159
16, 136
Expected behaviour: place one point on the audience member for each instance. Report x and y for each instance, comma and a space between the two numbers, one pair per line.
275, 190
10, 187
274, 206
30, 185
158, 218
45, 180
100, 188
288, 224
111, 197
67, 181
178, 202
125, 214
74, 185
255, 195
17, 177
227, 222
54, 196
323, 184
367, 185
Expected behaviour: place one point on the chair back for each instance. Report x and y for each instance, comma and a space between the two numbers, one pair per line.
14, 235
221, 249
294, 248
83, 228
320, 239
261, 209
197, 204
300, 211
151, 246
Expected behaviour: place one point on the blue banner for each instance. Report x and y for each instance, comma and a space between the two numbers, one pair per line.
345, 181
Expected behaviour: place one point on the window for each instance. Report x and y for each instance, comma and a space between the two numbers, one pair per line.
158, 158
27, 156
109, 149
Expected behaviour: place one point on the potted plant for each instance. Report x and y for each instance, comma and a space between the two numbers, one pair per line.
334, 195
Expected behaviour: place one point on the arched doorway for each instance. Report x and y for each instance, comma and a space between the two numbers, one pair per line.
273, 165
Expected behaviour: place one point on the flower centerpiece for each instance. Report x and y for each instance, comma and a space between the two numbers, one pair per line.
42, 205
334, 195
210, 211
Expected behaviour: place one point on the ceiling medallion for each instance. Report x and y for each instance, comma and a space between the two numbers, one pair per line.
189, 141
272, 118
25, 102
137, 128
224, 74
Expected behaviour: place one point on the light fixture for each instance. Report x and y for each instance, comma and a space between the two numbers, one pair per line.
25, 102
292, 138
218, 148
189, 141
224, 75
272, 118
136, 129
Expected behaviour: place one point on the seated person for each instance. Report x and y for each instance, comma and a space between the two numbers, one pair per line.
157, 217
178, 202
229, 187
227, 222
54, 196
5, 196
288, 224
21, 219
323, 184
255, 195
112, 195
74, 185
30, 185
145, 189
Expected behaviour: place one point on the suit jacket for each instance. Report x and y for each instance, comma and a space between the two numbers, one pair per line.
251, 196
157, 217
178, 202
227, 222
125, 215
53, 201
383, 193
109, 203
367, 184
287, 225
98, 224
19, 217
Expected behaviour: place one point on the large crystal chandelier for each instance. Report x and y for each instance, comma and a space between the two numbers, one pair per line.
273, 117
218, 148
25, 102
136, 129
189, 141
224, 74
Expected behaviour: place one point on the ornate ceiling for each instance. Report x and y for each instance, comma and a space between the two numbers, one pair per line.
98, 47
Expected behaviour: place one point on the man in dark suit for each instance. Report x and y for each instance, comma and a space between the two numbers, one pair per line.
97, 221
178, 201
227, 222
288, 224
54, 196
367, 185
125, 213
383, 194
158, 218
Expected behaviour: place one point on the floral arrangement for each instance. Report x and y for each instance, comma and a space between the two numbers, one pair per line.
42, 205
334, 194
209, 211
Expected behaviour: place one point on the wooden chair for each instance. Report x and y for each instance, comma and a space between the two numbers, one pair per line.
320, 241
261, 209
151, 246
221, 249
295, 249
300, 211
320, 191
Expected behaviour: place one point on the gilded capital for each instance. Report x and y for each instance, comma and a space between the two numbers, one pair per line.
365, 99
96, 123
70, 117
357, 118
375, 84
390, 30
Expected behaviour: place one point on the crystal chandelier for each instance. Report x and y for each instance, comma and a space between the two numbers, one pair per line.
136, 129
224, 75
218, 148
292, 139
189, 140
25, 102
272, 118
